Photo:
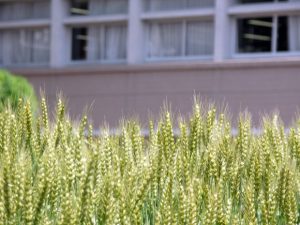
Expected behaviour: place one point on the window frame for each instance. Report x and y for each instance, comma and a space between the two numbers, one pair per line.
73, 21
29, 23
30, 64
247, 3
147, 7
183, 57
70, 15
273, 53
87, 61
70, 7
30, 19
73, 53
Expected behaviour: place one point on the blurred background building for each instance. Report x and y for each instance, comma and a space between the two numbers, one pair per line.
127, 57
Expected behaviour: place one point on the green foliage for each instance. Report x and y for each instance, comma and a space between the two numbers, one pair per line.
54, 172
12, 88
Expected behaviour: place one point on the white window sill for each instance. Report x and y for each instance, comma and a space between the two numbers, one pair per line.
25, 23
99, 62
264, 55
80, 20
265, 9
185, 13
185, 58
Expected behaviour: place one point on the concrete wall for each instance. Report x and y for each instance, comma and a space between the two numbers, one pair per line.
114, 91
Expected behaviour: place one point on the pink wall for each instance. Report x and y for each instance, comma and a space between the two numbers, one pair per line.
114, 91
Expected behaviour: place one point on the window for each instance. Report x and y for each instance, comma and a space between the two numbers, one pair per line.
24, 46
294, 33
180, 39
165, 39
200, 36
159, 5
259, 1
10, 10
79, 43
79, 7
255, 35
282, 34
267, 34
98, 7
102, 43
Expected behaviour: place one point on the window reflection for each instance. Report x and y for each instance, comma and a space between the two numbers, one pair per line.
255, 35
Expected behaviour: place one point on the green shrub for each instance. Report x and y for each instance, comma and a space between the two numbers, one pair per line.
56, 173
14, 87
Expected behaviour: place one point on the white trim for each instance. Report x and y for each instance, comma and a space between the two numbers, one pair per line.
234, 37
274, 34
221, 31
25, 23
6, 49
146, 41
95, 62
265, 55
87, 20
184, 36
179, 58
135, 34
264, 9
179, 14
24, 65
68, 47
58, 34
292, 34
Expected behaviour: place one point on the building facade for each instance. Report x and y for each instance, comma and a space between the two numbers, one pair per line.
127, 57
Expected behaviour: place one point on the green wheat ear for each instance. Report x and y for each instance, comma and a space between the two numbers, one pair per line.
57, 171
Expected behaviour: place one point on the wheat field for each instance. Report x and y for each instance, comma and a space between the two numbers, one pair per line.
58, 172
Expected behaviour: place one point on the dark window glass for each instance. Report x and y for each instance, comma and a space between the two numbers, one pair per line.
282, 34
255, 35
79, 43
79, 7
259, 1
254, 1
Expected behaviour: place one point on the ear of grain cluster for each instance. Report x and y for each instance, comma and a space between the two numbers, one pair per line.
57, 172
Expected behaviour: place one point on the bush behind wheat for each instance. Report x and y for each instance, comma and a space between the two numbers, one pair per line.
57, 173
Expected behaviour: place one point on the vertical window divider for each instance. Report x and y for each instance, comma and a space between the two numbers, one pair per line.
274, 34
58, 33
6, 49
90, 44
103, 44
234, 40
135, 34
292, 34
31, 44
221, 30
146, 49
184, 30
